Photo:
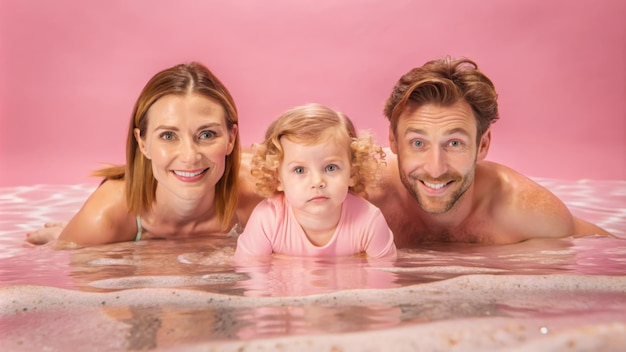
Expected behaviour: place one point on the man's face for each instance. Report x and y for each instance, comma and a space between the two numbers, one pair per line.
437, 153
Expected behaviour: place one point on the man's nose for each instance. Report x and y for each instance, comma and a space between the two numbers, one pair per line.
436, 164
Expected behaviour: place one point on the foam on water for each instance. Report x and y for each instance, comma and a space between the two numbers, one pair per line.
549, 295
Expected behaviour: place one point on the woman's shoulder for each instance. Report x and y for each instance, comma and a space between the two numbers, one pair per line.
110, 196
103, 218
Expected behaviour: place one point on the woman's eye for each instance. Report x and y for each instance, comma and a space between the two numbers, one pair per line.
332, 168
207, 135
167, 136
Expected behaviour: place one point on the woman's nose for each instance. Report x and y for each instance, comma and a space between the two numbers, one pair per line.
189, 152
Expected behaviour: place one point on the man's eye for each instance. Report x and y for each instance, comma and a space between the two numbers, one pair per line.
418, 143
455, 143
167, 136
332, 168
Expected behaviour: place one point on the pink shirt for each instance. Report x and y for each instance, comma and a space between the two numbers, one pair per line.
272, 228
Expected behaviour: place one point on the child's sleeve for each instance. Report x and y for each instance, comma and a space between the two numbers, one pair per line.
254, 240
380, 242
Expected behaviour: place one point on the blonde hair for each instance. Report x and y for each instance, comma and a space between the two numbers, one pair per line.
183, 79
311, 124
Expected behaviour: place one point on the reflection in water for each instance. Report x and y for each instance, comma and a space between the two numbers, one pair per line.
284, 276
188, 293
145, 323
145, 288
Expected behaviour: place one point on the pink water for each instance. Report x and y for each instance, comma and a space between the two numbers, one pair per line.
567, 294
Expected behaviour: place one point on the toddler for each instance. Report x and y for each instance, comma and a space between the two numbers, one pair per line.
312, 168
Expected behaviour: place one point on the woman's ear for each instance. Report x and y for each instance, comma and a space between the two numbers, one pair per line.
232, 137
141, 143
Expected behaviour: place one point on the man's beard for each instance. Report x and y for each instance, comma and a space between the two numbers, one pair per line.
432, 204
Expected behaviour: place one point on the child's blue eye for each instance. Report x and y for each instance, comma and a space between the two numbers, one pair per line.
298, 170
332, 167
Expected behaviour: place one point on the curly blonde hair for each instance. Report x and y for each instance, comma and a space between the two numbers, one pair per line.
312, 124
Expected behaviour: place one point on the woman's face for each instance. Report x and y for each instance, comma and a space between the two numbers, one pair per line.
187, 140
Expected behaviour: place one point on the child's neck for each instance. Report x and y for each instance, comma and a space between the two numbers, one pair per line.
320, 238
319, 229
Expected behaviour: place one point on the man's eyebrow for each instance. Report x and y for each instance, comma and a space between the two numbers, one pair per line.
415, 130
458, 130
448, 132
166, 127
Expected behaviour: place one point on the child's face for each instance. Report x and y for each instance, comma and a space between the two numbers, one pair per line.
315, 178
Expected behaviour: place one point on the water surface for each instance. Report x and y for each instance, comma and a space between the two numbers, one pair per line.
564, 294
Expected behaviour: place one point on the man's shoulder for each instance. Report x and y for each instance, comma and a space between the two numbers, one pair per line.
517, 204
500, 179
508, 179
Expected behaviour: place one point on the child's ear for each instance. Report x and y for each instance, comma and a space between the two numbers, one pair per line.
353, 181
279, 187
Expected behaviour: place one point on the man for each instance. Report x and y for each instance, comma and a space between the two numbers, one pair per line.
439, 187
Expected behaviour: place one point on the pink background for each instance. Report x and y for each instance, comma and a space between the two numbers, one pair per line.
70, 72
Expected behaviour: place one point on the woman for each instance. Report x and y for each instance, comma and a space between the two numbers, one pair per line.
182, 165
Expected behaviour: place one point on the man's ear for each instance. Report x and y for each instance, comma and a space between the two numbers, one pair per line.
393, 144
483, 145
141, 143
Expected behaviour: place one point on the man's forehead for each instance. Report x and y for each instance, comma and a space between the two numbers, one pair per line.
460, 110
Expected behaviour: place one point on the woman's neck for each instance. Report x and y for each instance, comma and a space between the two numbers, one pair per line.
177, 210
